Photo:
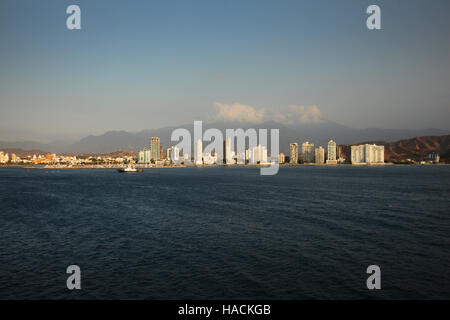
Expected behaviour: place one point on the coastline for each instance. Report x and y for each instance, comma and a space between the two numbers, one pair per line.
51, 167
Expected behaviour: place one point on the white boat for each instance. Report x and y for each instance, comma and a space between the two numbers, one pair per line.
129, 169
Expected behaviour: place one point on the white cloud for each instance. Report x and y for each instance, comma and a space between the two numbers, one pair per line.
239, 112
293, 114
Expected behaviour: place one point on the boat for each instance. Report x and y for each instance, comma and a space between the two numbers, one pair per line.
130, 169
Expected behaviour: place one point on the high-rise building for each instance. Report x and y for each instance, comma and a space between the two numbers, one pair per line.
227, 156
339, 152
308, 152
357, 154
331, 152
281, 158
293, 152
161, 152
155, 148
320, 155
258, 155
144, 156
199, 152
367, 154
247, 155
173, 154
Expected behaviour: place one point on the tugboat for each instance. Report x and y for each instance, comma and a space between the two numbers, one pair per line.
129, 168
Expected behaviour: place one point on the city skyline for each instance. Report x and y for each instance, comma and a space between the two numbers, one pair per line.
144, 65
360, 154
253, 152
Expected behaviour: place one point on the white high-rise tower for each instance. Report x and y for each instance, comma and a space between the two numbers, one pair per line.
331, 158
199, 152
319, 155
228, 158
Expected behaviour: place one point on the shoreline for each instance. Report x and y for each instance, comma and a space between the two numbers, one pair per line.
40, 167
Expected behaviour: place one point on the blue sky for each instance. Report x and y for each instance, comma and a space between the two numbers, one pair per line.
146, 64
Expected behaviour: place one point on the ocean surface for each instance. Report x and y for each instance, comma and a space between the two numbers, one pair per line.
309, 232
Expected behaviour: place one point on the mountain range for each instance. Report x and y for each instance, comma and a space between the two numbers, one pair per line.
318, 133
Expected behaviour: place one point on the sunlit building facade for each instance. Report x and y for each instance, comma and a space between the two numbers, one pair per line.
331, 153
199, 152
293, 153
367, 154
144, 156
227, 155
155, 148
258, 155
308, 152
319, 155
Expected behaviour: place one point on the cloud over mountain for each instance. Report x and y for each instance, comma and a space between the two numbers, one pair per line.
293, 114
239, 112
